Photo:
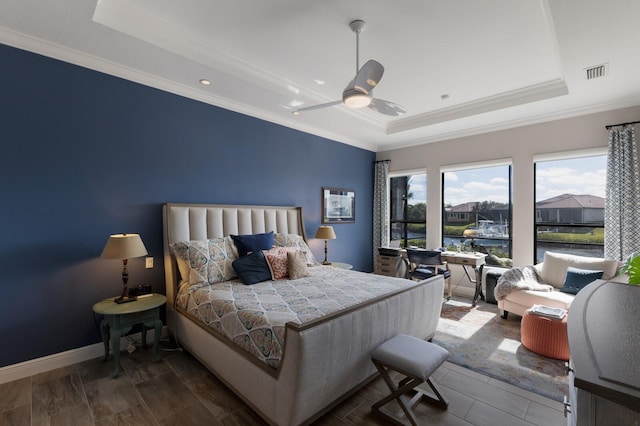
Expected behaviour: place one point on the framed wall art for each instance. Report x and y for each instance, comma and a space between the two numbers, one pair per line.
338, 205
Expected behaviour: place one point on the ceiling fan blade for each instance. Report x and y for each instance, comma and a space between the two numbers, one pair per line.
309, 108
387, 107
368, 76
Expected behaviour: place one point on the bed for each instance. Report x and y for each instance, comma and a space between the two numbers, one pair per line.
324, 359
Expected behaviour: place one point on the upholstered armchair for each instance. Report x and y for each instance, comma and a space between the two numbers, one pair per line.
423, 264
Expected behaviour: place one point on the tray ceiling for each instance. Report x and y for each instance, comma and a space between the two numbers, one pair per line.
459, 68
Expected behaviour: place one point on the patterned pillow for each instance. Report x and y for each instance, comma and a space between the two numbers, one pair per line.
295, 240
297, 265
205, 261
277, 261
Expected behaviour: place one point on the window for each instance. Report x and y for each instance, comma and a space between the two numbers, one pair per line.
408, 210
477, 211
570, 200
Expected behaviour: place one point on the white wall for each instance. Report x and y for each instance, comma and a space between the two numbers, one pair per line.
521, 145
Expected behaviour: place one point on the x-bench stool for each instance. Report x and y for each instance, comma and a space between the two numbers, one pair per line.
415, 359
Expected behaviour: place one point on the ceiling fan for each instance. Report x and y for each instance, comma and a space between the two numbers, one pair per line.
359, 92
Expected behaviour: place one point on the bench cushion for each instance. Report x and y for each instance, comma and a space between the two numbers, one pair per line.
411, 355
554, 268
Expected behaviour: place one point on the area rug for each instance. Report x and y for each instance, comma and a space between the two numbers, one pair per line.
477, 338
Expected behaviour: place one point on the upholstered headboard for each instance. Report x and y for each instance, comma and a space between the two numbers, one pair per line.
186, 222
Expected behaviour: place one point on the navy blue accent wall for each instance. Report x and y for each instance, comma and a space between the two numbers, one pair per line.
85, 155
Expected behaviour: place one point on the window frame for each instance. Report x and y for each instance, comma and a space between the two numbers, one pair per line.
404, 239
508, 162
567, 155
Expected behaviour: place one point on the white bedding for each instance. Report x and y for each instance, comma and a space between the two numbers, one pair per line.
254, 316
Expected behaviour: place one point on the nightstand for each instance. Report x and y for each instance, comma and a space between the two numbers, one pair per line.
341, 265
120, 318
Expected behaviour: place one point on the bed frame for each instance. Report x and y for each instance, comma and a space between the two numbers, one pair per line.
325, 360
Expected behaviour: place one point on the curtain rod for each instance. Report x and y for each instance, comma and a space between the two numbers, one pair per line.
620, 124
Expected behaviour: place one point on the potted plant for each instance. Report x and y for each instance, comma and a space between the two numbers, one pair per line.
631, 267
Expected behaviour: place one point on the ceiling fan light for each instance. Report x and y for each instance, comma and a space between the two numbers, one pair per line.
357, 100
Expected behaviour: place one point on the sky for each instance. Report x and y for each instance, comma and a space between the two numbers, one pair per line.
575, 176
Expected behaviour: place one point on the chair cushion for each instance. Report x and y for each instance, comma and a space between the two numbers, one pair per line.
411, 355
528, 298
424, 273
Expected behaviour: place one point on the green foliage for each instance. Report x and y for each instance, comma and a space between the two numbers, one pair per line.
417, 243
454, 230
631, 267
417, 211
590, 236
417, 228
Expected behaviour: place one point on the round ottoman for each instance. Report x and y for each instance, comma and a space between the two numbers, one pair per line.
545, 336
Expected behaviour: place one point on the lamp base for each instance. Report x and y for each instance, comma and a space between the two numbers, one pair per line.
326, 262
125, 299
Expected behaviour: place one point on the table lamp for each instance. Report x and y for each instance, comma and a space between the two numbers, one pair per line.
124, 246
470, 234
326, 233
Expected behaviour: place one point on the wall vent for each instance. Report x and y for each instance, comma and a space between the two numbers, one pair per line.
596, 71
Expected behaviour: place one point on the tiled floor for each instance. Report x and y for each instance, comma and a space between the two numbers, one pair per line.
180, 391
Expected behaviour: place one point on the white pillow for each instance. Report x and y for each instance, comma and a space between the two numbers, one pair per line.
554, 267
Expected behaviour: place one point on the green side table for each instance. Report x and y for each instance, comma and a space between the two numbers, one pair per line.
120, 318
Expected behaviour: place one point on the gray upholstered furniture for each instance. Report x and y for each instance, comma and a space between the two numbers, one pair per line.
325, 360
415, 359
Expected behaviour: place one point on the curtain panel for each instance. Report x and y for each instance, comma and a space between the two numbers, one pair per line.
622, 208
380, 207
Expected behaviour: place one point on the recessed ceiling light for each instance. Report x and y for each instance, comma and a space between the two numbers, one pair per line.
205, 82
319, 82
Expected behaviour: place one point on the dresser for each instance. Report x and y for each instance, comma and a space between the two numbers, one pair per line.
391, 266
604, 341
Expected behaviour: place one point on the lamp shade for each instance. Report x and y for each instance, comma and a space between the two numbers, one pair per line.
470, 233
124, 246
326, 233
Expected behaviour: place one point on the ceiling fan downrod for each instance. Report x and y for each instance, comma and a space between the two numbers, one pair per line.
357, 27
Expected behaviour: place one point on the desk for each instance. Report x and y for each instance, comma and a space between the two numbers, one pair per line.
474, 260
120, 318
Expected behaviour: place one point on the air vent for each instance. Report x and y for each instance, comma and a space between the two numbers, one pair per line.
596, 71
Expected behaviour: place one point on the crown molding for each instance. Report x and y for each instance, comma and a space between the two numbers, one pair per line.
511, 124
512, 98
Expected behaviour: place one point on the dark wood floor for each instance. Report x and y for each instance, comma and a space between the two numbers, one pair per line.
180, 391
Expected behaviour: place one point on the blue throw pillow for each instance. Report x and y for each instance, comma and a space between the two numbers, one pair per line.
253, 242
252, 268
576, 279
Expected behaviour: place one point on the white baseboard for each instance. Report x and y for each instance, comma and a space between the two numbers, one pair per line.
64, 359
